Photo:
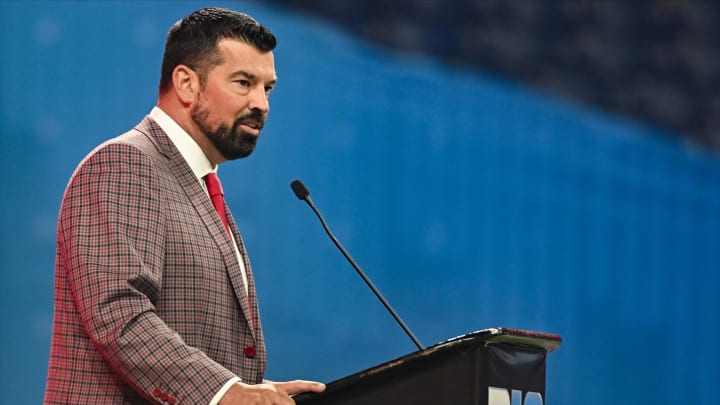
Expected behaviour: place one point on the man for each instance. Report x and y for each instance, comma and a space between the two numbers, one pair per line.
154, 294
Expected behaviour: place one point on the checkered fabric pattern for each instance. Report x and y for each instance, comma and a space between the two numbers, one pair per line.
150, 305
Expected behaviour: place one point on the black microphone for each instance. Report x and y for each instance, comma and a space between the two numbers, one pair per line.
302, 193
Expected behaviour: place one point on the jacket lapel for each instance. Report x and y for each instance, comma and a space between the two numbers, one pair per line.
200, 200
251, 301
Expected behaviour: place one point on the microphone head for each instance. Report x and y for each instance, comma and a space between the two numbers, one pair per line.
301, 192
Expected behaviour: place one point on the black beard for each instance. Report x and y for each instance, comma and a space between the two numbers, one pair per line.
232, 143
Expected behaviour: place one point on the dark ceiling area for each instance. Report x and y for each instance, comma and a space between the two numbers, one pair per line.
655, 61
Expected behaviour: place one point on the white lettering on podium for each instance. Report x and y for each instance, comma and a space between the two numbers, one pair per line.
504, 396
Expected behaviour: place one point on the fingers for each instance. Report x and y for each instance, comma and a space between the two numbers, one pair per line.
261, 394
298, 386
270, 393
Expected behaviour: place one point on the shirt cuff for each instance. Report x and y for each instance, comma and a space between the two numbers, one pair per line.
216, 399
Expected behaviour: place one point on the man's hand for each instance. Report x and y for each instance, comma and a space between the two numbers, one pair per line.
270, 393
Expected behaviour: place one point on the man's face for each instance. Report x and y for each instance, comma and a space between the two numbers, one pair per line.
232, 107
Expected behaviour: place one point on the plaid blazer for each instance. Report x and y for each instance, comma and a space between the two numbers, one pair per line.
150, 305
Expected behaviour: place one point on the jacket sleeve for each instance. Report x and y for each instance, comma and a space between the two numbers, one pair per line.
112, 232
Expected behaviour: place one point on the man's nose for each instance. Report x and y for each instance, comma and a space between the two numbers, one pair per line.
259, 100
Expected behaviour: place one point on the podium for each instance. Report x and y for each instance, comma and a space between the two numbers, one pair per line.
497, 366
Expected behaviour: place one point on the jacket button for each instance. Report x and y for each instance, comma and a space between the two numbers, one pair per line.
249, 351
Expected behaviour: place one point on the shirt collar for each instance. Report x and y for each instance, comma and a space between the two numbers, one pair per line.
189, 149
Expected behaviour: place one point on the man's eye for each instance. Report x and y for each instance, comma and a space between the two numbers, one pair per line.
268, 89
243, 83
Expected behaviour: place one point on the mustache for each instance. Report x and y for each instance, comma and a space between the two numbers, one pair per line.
255, 118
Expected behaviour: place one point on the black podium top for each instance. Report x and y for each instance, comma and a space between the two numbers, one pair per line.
451, 362
539, 340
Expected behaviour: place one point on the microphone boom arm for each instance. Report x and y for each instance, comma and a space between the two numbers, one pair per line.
357, 268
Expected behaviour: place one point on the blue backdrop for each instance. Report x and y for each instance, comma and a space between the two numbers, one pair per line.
471, 201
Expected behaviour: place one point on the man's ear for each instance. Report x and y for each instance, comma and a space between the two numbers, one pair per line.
186, 83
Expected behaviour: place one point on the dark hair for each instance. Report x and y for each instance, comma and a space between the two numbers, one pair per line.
193, 40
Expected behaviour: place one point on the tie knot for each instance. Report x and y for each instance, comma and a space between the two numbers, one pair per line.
213, 184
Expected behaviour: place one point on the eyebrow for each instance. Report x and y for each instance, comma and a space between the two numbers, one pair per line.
250, 76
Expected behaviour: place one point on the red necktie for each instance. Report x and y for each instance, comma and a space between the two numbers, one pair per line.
216, 196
